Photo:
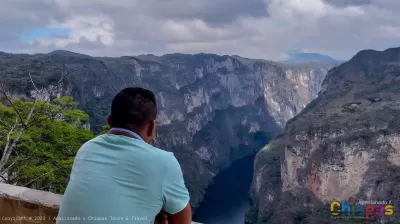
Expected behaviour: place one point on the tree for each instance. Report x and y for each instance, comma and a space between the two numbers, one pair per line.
39, 138
24, 116
43, 156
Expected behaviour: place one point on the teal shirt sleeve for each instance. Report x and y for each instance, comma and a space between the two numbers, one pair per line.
175, 193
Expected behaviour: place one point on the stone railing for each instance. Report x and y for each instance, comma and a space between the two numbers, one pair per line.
20, 205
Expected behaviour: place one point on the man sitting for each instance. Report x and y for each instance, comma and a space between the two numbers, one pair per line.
119, 177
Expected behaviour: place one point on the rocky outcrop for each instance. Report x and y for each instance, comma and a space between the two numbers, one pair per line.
343, 146
212, 109
20, 205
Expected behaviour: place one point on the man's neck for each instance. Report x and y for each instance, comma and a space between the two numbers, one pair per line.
124, 133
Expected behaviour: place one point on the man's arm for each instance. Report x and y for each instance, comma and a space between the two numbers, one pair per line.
184, 216
176, 195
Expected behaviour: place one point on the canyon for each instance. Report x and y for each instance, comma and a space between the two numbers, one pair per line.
213, 110
344, 146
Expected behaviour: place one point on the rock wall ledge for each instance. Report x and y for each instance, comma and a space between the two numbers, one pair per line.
20, 205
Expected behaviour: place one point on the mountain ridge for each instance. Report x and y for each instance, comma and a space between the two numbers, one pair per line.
301, 57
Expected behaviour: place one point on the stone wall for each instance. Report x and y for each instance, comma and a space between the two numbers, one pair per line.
23, 205
20, 205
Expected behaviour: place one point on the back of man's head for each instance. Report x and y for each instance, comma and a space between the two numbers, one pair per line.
133, 108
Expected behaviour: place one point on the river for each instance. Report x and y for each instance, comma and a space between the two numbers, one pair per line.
227, 200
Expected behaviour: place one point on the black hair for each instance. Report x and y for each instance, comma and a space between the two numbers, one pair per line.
132, 108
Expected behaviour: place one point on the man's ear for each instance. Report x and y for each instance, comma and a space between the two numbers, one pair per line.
151, 130
109, 120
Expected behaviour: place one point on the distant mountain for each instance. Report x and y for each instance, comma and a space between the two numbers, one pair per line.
301, 57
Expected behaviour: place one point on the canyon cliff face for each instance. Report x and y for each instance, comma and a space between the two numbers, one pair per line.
344, 146
212, 109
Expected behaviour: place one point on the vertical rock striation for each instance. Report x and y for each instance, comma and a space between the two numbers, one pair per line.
345, 145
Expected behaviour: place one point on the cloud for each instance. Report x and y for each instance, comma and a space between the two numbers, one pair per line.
252, 28
80, 27
345, 3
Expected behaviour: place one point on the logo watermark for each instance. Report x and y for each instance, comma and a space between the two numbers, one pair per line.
361, 209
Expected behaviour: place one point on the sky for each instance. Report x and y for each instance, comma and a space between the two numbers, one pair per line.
266, 29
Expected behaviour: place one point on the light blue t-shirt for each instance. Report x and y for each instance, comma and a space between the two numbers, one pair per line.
118, 179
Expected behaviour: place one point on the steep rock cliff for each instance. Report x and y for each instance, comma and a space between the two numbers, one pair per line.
212, 109
344, 146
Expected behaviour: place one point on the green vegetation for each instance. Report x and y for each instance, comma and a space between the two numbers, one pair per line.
266, 217
352, 107
39, 140
251, 215
266, 147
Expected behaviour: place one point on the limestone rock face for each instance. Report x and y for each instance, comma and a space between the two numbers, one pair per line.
212, 109
345, 145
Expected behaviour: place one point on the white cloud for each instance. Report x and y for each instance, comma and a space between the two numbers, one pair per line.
90, 28
250, 28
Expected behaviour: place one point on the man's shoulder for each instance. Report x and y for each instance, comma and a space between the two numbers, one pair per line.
122, 142
161, 154
159, 158
93, 141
